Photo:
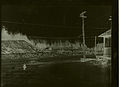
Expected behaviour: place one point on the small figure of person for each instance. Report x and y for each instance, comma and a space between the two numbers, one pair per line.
24, 66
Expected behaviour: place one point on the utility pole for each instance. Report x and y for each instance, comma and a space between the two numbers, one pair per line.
83, 32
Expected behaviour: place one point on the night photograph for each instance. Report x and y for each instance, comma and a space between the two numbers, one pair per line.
56, 45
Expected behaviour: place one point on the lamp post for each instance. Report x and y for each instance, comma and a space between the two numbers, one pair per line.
110, 19
83, 32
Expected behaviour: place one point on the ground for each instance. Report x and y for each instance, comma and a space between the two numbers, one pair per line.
57, 74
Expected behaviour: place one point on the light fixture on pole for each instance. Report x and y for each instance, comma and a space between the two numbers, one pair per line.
110, 19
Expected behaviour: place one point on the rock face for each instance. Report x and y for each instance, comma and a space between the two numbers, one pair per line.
16, 46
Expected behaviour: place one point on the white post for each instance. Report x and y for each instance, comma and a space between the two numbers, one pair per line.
95, 45
24, 66
103, 46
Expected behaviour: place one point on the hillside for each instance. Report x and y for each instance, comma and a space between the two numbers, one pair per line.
16, 46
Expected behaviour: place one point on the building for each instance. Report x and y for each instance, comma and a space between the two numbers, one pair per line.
106, 43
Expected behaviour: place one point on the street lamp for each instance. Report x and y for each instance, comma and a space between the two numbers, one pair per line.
110, 19
83, 32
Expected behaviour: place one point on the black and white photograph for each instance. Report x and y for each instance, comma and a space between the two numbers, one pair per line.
56, 45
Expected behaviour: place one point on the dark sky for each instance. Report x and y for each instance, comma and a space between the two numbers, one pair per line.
56, 21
